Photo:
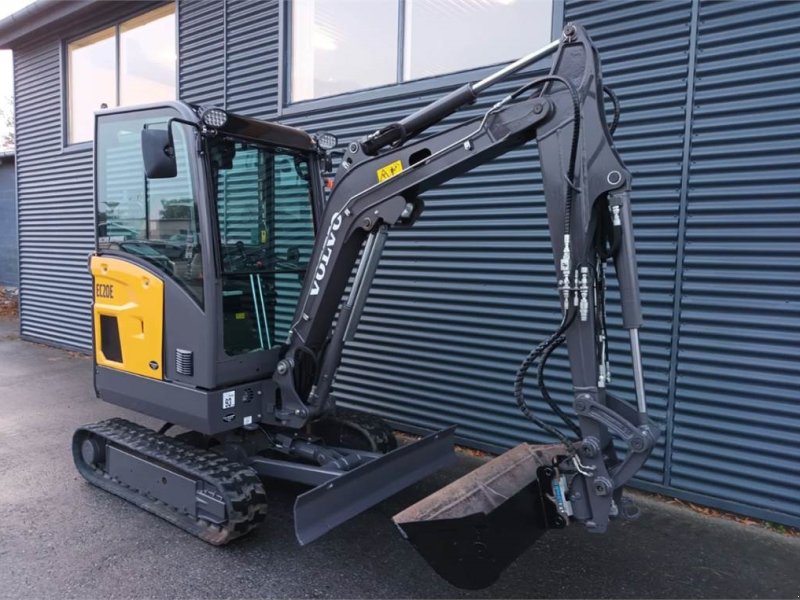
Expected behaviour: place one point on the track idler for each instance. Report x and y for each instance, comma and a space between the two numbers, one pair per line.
472, 529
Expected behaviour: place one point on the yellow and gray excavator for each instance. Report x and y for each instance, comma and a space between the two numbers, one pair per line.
226, 285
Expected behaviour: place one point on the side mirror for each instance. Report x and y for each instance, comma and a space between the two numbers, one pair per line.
158, 152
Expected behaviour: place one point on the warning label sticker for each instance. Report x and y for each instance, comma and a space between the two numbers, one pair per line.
229, 399
390, 171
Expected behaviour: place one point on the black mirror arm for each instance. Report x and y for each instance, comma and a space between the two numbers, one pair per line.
327, 159
200, 129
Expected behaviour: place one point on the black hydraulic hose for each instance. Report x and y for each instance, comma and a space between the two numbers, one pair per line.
519, 380
615, 101
608, 237
573, 155
543, 386
546, 348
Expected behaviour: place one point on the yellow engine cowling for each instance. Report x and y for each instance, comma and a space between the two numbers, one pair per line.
128, 317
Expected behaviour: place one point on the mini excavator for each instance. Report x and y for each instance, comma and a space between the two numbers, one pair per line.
226, 286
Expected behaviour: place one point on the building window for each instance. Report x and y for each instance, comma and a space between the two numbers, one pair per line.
339, 47
130, 63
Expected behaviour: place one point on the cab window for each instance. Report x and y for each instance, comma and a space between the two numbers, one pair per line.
153, 219
266, 234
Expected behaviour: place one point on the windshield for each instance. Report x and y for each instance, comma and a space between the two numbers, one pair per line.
266, 236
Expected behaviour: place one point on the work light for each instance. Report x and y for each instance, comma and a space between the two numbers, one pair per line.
326, 141
214, 117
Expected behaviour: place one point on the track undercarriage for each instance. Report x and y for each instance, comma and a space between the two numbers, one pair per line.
211, 486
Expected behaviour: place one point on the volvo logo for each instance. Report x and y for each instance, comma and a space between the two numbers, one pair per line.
322, 265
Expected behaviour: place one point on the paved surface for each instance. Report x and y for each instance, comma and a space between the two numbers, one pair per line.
61, 538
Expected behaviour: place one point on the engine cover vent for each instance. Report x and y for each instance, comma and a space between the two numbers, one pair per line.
184, 361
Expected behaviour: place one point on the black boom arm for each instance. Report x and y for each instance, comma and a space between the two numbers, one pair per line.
378, 187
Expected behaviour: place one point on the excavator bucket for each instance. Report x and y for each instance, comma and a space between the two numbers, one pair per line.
472, 529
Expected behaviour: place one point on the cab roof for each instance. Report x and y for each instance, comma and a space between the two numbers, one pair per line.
269, 132
237, 125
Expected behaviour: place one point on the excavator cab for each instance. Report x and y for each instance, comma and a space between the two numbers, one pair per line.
206, 223
225, 221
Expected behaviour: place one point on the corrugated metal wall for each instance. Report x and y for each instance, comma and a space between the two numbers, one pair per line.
229, 54
737, 400
710, 131
55, 192
56, 212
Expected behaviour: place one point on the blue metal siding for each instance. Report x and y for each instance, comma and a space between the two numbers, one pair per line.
228, 54
737, 417
201, 52
55, 206
252, 60
55, 196
9, 256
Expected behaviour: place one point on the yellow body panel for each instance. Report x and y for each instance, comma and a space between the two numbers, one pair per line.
135, 297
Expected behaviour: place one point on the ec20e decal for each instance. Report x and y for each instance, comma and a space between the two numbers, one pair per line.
103, 290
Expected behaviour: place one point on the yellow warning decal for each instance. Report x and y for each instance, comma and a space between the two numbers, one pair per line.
390, 171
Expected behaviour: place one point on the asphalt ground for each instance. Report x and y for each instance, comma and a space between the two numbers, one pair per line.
62, 538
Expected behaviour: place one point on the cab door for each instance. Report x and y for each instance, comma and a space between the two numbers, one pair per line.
149, 308
265, 226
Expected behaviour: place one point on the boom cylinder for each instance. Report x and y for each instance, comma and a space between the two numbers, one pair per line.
349, 314
419, 121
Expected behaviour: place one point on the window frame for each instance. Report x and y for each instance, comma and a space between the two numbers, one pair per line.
288, 107
64, 66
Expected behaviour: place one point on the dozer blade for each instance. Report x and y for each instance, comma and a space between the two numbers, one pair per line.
472, 529
321, 509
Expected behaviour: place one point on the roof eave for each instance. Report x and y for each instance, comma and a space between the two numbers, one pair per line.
35, 17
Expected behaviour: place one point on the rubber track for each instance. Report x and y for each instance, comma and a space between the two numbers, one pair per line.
372, 427
238, 485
